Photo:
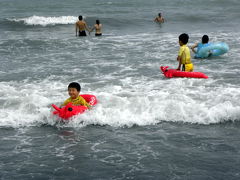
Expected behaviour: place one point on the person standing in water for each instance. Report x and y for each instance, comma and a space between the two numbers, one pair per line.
98, 28
81, 27
184, 56
159, 18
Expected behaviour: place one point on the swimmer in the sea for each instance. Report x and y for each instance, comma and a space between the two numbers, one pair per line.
98, 28
159, 18
81, 27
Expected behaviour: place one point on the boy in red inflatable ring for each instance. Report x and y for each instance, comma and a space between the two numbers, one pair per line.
74, 90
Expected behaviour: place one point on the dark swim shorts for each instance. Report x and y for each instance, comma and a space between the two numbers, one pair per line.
82, 33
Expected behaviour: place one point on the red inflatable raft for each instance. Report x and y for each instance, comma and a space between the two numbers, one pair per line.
70, 110
170, 73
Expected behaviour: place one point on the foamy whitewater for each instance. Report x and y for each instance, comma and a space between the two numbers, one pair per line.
44, 21
145, 126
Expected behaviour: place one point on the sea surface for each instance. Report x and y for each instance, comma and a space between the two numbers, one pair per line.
145, 126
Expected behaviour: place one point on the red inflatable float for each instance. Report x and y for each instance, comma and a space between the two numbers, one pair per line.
170, 73
70, 110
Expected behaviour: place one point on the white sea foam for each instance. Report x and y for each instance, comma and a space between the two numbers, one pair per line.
123, 106
135, 94
45, 21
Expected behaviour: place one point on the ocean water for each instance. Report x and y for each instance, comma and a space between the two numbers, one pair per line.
145, 126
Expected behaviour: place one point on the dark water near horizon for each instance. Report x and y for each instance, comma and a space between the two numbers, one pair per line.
145, 126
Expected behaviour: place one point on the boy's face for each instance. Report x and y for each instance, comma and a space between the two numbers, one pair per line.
180, 43
73, 93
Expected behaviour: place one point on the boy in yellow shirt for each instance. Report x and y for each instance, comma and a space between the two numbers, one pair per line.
74, 90
184, 56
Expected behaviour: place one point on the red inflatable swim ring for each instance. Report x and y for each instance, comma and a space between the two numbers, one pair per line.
170, 73
70, 110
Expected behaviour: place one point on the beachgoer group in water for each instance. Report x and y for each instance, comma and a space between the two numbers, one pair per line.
81, 27
183, 58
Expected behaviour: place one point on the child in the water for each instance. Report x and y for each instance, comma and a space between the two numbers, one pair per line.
184, 56
74, 90
204, 43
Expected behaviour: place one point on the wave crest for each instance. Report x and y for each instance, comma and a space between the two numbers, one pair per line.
45, 21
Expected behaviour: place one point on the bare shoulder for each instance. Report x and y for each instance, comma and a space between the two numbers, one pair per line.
78, 23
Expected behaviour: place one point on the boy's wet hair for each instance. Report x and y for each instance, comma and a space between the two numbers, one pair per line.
205, 39
75, 85
183, 38
97, 21
80, 17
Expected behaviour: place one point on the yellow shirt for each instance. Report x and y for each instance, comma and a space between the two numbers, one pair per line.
185, 55
79, 101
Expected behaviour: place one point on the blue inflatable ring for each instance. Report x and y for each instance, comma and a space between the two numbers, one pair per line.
213, 49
